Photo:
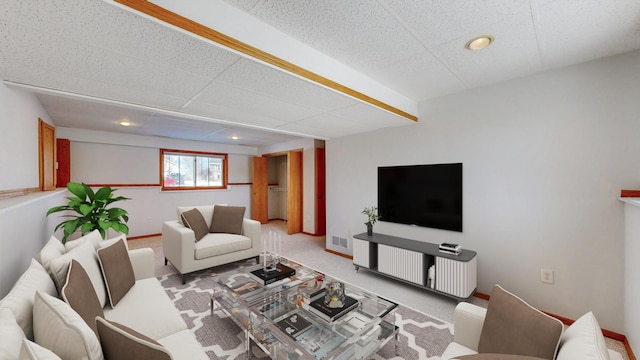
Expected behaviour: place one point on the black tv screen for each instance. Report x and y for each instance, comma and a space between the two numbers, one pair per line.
421, 195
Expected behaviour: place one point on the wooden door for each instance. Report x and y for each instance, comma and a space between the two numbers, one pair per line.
46, 156
321, 205
259, 195
63, 154
294, 193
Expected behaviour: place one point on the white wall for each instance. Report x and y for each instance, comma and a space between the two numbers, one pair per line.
545, 158
108, 158
19, 113
23, 225
632, 273
25, 230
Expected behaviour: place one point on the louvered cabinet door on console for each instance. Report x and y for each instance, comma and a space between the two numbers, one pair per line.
361, 253
456, 277
404, 264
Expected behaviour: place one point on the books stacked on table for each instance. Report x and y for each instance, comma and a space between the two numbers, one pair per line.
331, 314
450, 248
267, 277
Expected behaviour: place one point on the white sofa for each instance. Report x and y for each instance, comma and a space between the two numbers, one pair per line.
188, 255
145, 307
582, 340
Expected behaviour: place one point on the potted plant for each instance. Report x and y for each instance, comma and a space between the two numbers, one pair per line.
372, 217
92, 211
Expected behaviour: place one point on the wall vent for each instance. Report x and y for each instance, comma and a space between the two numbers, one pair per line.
339, 242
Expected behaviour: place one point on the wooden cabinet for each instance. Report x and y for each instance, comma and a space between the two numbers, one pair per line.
409, 261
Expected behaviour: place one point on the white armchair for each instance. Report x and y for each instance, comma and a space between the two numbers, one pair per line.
582, 340
181, 249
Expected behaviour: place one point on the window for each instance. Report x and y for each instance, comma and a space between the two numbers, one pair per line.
190, 170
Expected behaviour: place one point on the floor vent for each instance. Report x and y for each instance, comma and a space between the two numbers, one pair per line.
343, 243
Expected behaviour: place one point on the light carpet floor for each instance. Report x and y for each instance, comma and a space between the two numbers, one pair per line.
420, 336
309, 250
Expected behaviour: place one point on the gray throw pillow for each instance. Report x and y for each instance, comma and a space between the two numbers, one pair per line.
227, 219
512, 326
193, 220
117, 270
121, 342
79, 293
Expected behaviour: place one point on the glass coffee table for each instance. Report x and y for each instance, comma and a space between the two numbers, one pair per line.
278, 317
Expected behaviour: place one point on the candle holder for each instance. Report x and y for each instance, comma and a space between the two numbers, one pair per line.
269, 262
271, 251
334, 294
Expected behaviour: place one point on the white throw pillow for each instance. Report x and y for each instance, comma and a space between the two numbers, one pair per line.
52, 249
96, 240
85, 254
93, 237
20, 298
32, 351
110, 241
583, 340
60, 329
11, 334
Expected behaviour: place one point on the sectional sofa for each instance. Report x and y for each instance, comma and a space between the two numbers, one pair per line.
93, 299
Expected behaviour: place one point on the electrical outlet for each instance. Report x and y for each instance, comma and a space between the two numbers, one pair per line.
546, 276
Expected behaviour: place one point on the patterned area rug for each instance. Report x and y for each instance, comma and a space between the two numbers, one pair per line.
420, 336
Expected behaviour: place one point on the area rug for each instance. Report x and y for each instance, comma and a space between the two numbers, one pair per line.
420, 336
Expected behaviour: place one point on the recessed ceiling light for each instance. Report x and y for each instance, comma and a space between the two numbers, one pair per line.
235, 137
480, 42
124, 123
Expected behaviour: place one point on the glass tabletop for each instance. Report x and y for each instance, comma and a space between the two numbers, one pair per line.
285, 317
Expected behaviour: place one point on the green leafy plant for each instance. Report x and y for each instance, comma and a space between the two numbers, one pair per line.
93, 212
372, 217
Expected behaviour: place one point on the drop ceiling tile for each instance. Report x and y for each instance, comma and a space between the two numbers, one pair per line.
514, 53
329, 122
256, 77
84, 109
232, 114
437, 22
171, 124
124, 93
419, 77
74, 63
316, 132
5, 8
370, 117
140, 75
245, 5
359, 33
100, 24
254, 103
255, 137
577, 31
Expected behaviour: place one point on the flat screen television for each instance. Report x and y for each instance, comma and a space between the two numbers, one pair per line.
421, 195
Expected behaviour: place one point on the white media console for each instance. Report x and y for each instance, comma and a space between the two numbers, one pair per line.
409, 261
